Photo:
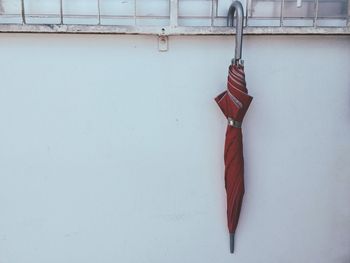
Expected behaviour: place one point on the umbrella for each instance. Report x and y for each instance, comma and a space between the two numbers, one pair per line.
234, 103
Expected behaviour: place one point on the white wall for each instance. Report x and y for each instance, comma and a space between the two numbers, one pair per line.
111, 151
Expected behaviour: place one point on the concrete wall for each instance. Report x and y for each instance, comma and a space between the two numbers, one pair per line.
111, 151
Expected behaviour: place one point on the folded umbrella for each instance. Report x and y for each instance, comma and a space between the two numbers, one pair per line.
234, 103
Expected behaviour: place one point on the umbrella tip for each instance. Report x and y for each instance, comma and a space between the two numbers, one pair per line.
232, 242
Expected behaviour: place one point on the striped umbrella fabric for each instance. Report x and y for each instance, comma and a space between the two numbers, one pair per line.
234, 103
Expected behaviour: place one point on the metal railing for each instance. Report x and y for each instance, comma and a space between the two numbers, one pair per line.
174, 17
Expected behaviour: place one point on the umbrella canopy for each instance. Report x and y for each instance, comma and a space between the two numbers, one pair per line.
234, 103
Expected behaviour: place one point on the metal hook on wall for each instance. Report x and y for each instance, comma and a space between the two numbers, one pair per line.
237, 8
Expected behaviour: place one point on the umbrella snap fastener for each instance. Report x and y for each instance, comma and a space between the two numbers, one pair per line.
234, 123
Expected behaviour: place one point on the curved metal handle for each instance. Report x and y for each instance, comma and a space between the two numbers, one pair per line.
236, 7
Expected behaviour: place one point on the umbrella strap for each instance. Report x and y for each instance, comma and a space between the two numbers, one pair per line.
233, 123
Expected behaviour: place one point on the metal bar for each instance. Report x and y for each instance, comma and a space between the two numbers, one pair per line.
99, 11
87, 16
61, 11
214, 11
168, 30
316, 14
282, 13
246, 13
249, 8
42, 15
135, 12
174, 12
348, 18
23, 13
32, 15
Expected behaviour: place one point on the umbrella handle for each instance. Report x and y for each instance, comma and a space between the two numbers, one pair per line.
236, 7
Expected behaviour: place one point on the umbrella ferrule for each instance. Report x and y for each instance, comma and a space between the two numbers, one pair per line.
233, 123
232, 243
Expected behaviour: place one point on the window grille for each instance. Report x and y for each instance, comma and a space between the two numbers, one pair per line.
173, 17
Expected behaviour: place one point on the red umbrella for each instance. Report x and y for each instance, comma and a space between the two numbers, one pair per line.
234, 103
